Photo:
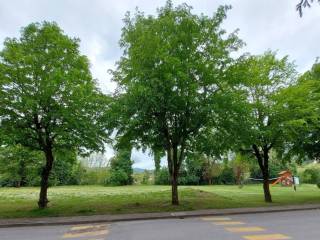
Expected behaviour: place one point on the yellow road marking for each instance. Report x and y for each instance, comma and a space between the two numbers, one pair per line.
245, 229
228, 223
82, 227
85, 234
215, 219
266, 237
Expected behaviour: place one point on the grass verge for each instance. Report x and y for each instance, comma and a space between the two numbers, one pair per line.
90, 200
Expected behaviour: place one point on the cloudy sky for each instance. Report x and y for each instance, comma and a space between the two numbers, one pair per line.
263, 24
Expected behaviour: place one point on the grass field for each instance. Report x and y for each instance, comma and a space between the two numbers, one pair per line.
89, 200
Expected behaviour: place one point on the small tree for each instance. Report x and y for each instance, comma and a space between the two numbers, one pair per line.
121, 168
172, 79
240, 167
49, 100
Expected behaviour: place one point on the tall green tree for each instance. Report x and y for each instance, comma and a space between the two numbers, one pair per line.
49, 100
302, 101
121, 167
172, 79
263, 79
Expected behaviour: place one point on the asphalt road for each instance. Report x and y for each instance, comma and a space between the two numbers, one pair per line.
300, 225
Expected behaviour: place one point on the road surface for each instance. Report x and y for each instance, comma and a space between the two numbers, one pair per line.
301, 225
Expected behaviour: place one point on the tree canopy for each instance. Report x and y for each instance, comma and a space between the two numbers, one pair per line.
172, 79
302, 100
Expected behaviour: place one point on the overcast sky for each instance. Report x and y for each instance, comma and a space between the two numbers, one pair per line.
263, 24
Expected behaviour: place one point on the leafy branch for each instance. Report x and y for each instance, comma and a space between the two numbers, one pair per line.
303, 4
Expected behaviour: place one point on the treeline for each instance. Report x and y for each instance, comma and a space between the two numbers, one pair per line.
21, 167
234, 171
181, 92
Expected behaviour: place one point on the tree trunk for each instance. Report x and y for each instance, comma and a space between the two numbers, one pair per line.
174, 173
263, 160
174, 177
174, 190
43, 198
266, 189
22, 174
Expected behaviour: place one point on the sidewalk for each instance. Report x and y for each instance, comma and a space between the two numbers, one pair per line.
25, 222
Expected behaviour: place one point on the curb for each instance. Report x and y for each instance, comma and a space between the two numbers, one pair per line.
54, 221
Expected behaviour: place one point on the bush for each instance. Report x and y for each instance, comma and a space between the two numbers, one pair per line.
117, 178
162, 177
225, 177
146, 177
189, 179
311, 175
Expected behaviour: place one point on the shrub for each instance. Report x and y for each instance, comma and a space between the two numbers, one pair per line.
225, 177
162, 177
311, 175
117, 178
146, 177
189, 179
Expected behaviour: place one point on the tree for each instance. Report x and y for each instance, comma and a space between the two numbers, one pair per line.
240, 167
49, 100
212, 171
201, 168
302, 100
171, 79
95, 160
121, 168
263, 79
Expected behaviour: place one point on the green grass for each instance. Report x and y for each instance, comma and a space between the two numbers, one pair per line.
89, 200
